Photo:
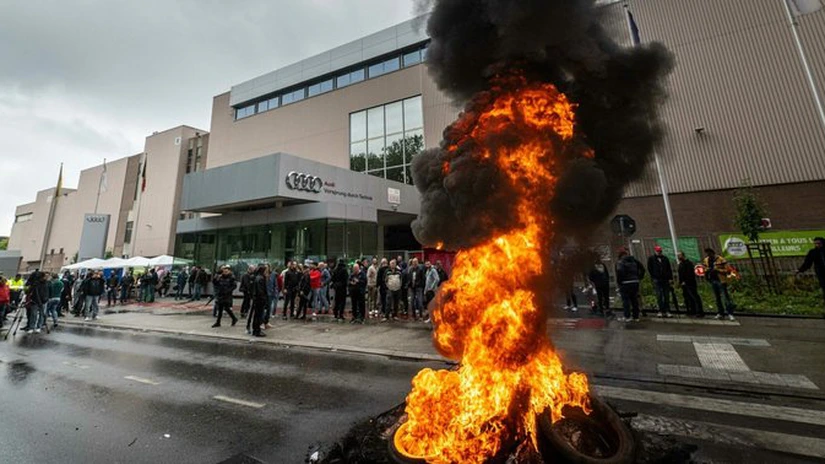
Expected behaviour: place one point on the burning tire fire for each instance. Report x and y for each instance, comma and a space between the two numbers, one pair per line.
600, 437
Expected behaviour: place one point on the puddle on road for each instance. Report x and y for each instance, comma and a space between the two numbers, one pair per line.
19, 371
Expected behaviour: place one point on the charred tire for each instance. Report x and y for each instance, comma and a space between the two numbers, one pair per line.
605, 430
400, 456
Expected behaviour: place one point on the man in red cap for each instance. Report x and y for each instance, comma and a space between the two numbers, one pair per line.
661, 273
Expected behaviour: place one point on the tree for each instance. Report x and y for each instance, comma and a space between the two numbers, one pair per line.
749, 210
4, 243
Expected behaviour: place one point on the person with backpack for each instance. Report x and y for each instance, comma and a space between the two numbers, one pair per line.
629, 275
394, 280
661, 273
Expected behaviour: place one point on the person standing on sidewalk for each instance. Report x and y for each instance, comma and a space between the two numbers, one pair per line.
323, 298
224, 284
195, 287
382, 286
690, 288
816, 258
16, 286
126, 284
599, 277
304, 294
5, 299
151, 284
661, 273
340, 279
180, 281
93, 288
418, 280
629, 275
259, 300
315, 288
716, 270
394, 281
372, 288
66, 296
357, 291
292, 280
430, 286
272, 295
111, 290
55, 292
246, 280
37, 291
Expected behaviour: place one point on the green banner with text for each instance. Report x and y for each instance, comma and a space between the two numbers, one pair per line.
688, 245
784, 243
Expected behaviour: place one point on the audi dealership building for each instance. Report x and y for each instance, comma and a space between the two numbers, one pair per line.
312, 160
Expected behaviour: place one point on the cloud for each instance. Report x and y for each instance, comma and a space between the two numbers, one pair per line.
90, 79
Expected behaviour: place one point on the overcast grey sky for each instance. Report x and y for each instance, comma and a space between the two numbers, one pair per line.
81, 80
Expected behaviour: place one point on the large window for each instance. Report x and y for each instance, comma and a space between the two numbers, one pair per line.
319, 88
245, 112
25, 217
292, 97
385, 139
384, 67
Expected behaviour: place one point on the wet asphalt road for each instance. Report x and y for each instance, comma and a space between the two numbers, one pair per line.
66, 398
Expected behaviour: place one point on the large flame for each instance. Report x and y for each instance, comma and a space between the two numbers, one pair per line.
488, 317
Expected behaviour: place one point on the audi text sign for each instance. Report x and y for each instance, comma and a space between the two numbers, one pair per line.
94, 236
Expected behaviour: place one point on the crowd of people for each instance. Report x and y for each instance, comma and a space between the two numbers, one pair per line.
381, 289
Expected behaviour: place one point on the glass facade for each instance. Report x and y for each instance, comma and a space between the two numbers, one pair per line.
385, 139
318, 240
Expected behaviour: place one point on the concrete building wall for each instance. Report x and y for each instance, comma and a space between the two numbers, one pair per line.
317, 128
154, 230
24, 235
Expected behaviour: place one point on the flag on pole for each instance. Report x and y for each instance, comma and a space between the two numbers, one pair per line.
104, 178
143, 175
634, 29
803, 7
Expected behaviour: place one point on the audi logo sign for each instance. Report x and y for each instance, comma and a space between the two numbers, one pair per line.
96, 219
304, 182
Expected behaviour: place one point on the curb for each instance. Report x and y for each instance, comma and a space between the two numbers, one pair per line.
272, 341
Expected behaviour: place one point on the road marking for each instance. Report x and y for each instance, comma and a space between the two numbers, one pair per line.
754, 377
141, 380
702, 403
730, 340
729, 435
240, 402
74, 364
679, 320
721, 356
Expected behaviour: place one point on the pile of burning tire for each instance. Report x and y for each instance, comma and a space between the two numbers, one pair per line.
601, 437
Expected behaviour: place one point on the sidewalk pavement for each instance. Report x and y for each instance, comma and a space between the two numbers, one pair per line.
769, 355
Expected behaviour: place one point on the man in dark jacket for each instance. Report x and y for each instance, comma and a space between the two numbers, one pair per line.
690, 291
292, 279
181, 280
382, 285
816, 259
256, 290
246, 281
629, 275
195, 287
93, 288
126, 284
111, 290
340, 277
600, 278
418, 278
37, 296
224, 284
66, 295
661, 273
358, 291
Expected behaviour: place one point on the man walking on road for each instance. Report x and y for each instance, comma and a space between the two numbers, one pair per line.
816, 258
716, 270
224, 284
690, 288
629, 274
661, 273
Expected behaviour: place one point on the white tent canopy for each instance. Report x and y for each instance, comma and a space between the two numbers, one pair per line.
166, 260
137, 261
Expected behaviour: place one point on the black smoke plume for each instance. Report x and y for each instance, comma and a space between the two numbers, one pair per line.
563, 42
